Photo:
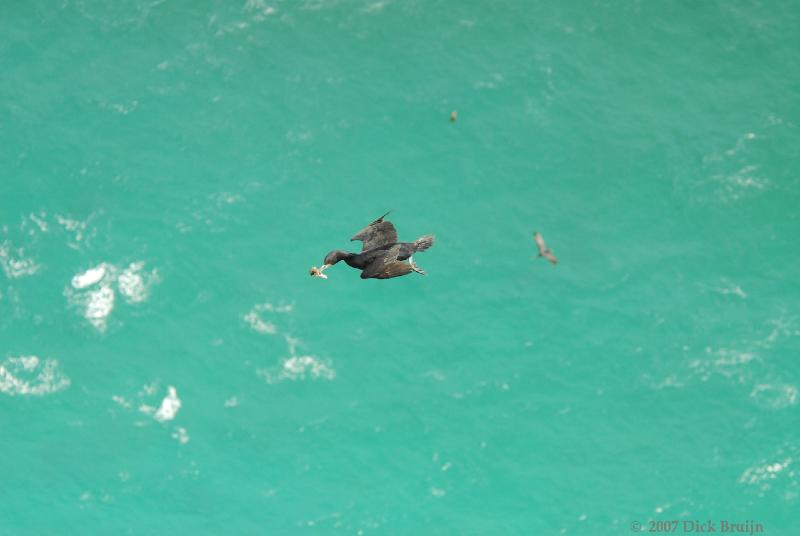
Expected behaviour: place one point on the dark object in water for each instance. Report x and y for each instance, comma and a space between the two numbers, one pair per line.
381, 256
544, 251
453, 116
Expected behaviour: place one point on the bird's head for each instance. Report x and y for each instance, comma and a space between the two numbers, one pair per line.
332, 258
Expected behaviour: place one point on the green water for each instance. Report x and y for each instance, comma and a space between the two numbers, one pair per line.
171, 170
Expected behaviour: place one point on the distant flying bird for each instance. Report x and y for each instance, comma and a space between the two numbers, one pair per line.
543, 249
453, 116
382, 256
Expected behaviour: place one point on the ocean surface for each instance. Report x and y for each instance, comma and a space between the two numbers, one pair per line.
170, 170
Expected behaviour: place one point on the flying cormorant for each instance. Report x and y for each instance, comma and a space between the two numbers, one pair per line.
381, 256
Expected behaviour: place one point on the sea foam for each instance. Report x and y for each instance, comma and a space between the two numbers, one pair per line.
93, 290
169, 406
30, 375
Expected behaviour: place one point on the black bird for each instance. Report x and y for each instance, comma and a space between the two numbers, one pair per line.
381, 256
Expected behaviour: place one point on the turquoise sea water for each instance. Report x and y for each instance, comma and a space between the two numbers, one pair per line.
171, 170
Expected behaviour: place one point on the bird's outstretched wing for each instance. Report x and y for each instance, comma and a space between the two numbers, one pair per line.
386, 266
378, 233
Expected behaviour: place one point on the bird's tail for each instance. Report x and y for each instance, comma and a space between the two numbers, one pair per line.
422, 243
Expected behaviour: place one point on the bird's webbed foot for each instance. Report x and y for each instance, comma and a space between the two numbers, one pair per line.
415, 267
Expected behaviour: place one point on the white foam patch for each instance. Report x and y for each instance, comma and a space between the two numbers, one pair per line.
271, 308
134, 284
14, 262
92, 293
149, 389
726, 357
292, 343
76, 227
164, 413
724, 361
92, 290
121, 401
255, 320
89, 277
761, 474
256, 11
732, 175
29, 375
298, 368
40, 221
774, 396
294, 367
99, 305
259, 325
169, 406
781, 327
737, 184
730, 288
181, 435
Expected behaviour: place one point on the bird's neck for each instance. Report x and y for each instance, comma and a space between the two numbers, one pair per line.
348, 257
345, 256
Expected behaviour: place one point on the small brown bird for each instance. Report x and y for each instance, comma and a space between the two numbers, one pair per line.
543, 250
453, 116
